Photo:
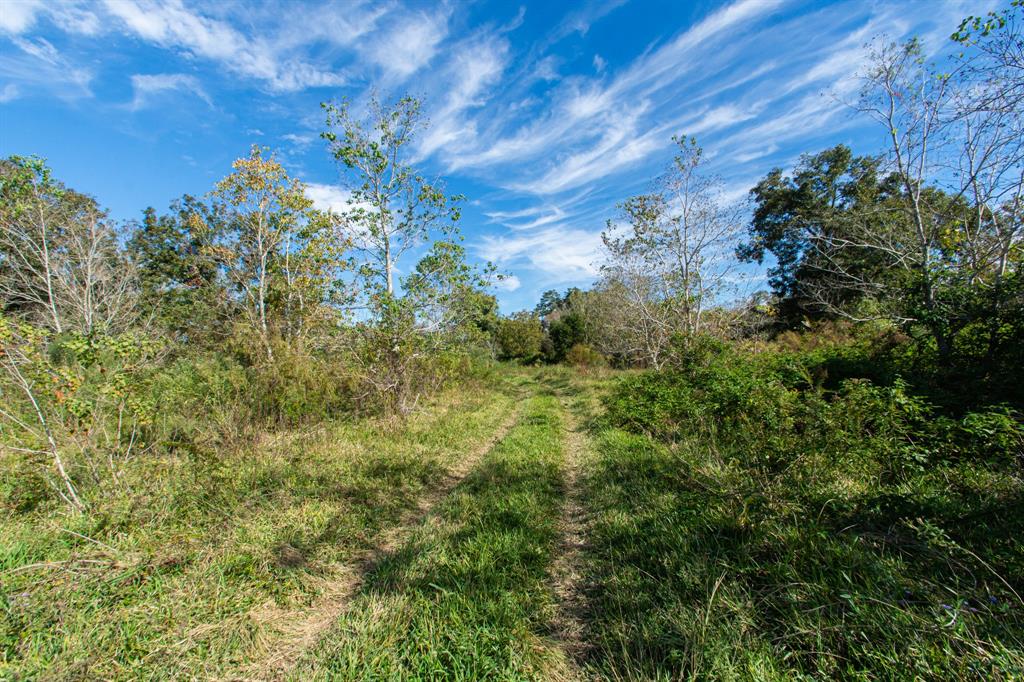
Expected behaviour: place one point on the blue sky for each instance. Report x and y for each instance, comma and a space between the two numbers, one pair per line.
544, 114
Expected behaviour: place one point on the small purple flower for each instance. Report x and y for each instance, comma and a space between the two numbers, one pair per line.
947, 607
992, 600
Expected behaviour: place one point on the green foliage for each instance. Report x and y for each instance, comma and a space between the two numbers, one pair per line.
584, 356
829, 193
775, 405
565, 332
520, 338
865, 533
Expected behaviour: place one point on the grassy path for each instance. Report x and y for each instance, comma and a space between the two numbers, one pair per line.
446, 548
568, 624
468, 597
301, 629
203, 569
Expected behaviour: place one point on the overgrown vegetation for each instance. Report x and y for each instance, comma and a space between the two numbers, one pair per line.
753, 521
181, 568
210, 418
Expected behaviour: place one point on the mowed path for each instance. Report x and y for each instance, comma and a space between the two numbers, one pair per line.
477, 582
297, 631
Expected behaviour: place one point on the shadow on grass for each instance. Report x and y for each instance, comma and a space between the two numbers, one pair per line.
696, 575
465, 597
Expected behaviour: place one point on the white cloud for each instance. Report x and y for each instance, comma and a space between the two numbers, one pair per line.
409, 45
602, 123
508, 283
599, 63
474, 67
9, 92
299, 141
561, 254
169, 24
328, 197
581, 20
40, 66
756, 153
40, 48
149, 86
19, 15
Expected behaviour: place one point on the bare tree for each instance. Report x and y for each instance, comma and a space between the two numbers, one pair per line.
59, 258
953, 219
675, 257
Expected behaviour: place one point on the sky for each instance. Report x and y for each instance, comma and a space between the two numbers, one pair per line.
544, 114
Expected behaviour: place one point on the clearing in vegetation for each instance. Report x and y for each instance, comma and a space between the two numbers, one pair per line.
535, 529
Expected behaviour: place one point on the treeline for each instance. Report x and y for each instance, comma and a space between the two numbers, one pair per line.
918, 246
243, 309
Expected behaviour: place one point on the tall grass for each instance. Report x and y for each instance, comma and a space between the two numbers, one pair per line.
167, 574
749, 524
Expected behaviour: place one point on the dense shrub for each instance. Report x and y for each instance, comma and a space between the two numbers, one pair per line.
585, 356
784, 516
564, 334
792, 402
519, 338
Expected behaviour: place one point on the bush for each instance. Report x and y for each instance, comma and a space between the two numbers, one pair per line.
520, 338
776, 406
297, 388
583, 355
565, 333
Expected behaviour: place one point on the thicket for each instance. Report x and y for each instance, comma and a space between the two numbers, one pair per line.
245, 310
778, 511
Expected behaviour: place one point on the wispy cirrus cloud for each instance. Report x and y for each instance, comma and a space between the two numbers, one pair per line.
171, 24
9, 93
39, 66
148, 87
403, 48
557, 254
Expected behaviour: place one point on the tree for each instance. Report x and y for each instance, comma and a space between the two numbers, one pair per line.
180, 279
549, 302
804, 222
674, 256
565, 332
953, 221
59, 258
268, 217
520, 337
392, 207
447, 293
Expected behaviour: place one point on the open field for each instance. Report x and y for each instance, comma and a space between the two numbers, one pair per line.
437, 549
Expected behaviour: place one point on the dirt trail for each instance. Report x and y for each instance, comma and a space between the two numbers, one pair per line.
295, 631
566, 583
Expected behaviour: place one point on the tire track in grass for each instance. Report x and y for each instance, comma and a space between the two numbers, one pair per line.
297, 631
567, 623
467, 596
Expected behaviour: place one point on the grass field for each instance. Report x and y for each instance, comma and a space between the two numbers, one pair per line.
435, 549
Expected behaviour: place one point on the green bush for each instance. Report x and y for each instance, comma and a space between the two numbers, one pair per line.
298, 387
583, 355
519, 338
787, 403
